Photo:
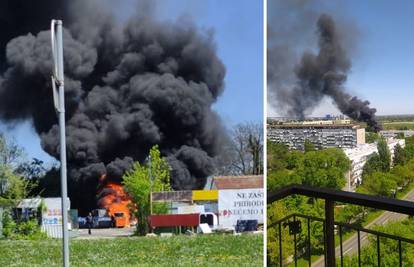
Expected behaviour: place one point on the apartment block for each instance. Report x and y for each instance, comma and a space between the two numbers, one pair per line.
359, 156
322, 134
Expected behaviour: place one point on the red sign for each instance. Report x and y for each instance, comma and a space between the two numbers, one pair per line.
172, 220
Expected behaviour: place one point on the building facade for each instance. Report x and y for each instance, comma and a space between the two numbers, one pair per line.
396, 133
321, 135
359, 156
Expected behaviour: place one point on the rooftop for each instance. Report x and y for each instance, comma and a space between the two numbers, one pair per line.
238, 182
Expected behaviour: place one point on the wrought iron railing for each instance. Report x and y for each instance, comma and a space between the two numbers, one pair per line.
331, 196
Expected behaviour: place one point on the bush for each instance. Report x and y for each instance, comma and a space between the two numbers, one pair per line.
9, 225
29, 230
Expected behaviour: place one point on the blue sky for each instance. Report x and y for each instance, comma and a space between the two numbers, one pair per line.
238, 26
384, 69
383, 65
239, 37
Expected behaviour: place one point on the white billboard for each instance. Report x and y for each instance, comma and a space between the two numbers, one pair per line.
52, 217
190, 209
240, 204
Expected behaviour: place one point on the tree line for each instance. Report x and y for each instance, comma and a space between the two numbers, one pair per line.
21, 177
327, 168
382, 177
389, 248
321, 168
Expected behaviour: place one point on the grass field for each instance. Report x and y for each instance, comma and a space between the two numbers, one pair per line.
207, 250
398, 125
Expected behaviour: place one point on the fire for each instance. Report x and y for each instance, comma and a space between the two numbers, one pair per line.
114, 199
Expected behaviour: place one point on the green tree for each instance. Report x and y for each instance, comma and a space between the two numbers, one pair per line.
389, 247
13, 187
372, 165
294, 159
325, 168
403, 175
138, 184
378, 162
277, 211
400, 157
409, 140
276, 156
379, 183
308, 146
384, 154
278, 179
353, 214
409, 151
371, 137
10, 153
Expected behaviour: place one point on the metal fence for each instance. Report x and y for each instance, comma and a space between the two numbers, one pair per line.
331, 197
294, 224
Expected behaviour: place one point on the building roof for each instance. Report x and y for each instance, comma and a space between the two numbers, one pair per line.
238, 182
29, 203
321, 126
360, 151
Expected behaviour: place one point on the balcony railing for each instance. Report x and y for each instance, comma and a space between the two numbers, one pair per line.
331, 196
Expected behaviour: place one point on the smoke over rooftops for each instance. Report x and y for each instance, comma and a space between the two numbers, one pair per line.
128, 86
297, 86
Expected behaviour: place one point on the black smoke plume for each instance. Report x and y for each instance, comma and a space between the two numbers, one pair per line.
316, 76
128, 86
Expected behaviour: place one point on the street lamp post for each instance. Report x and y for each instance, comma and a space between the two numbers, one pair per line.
59, 102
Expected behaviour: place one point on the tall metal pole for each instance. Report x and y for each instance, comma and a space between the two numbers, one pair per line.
151, 181
58, 79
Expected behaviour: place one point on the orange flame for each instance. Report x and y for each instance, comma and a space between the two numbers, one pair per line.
114, 199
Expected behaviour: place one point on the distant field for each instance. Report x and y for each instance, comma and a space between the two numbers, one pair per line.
397, 122
396, 118
398, 125
207, 250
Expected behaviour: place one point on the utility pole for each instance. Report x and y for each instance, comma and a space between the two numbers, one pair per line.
59, 102
151, 181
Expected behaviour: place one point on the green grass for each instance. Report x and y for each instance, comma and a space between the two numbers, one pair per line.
398, 125
371, 216
204, 250
408, 188
303, 262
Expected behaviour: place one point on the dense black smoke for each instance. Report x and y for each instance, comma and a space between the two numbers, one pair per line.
128, 86
315, 76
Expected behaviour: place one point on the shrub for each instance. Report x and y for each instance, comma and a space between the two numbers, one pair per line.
29, 230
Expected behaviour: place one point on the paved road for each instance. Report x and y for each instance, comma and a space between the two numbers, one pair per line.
350, 246
105, 233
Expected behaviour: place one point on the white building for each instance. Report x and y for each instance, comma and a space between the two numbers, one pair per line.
395, 133
359, 156
51, 213
392, 143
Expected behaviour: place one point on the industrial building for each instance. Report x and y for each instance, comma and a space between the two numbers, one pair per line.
322, 133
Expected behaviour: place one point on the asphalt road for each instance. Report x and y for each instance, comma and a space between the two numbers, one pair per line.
105, 233
350, 246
